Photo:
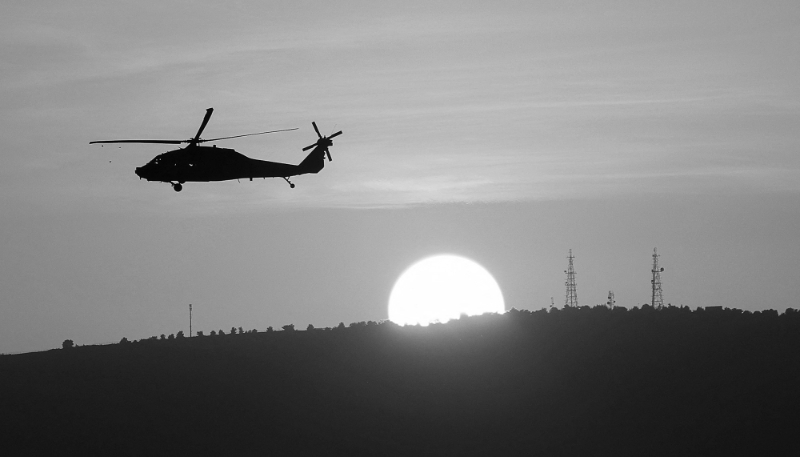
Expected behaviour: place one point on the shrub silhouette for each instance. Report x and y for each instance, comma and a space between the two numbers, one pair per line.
67, 344
288, 328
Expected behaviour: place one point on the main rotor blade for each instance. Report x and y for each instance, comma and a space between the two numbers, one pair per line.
202, 126
246, 134
141, 141
316, 129
309, 147
329, 155
335, 134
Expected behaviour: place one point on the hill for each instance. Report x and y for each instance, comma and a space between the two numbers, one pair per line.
576, 381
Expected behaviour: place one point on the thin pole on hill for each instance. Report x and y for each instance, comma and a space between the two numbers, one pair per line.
190, 320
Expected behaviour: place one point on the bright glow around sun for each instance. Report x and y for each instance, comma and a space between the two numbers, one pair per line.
443, 287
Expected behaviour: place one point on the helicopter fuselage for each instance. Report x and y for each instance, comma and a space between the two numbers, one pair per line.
210, 163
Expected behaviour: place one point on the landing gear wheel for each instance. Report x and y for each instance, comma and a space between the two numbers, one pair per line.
290, 183
177, 186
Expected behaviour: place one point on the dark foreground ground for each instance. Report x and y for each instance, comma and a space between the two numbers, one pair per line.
579, 381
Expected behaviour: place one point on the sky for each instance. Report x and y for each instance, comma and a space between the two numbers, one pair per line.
507, 132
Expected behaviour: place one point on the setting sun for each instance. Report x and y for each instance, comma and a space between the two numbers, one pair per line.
443, 287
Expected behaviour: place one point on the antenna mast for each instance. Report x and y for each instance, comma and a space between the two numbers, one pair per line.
190, 320
611, 300
572, 292
657, 298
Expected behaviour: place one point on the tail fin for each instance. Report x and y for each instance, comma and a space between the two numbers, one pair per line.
314, 161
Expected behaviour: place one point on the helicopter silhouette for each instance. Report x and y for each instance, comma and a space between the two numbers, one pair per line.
195, 163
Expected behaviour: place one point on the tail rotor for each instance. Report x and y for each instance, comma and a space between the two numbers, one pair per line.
323, 141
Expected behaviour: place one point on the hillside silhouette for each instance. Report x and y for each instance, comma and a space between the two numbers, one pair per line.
558, 382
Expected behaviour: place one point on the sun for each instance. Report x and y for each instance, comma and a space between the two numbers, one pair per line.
443, 287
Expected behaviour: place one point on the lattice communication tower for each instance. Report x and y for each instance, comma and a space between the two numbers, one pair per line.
657, 298
572, 291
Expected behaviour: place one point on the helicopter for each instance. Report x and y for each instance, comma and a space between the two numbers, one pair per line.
195, 163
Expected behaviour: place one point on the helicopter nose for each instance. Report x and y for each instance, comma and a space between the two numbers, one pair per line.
138, 172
